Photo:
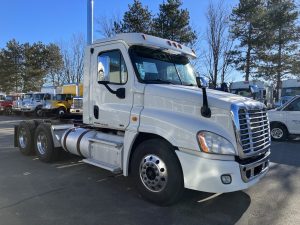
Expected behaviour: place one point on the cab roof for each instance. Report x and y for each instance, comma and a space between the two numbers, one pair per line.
150, 41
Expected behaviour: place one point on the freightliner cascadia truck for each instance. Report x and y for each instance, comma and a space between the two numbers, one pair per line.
146, 116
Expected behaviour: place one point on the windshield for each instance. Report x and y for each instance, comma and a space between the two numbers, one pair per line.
9, 98
27, 96
291, 91
60, 97
38, 96
245, 92
157, 66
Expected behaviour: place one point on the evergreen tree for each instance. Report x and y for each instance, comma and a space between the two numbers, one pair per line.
172, 23
137, 19
11, 61
280, 55
247, 26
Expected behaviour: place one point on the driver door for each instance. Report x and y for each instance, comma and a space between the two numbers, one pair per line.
110, 66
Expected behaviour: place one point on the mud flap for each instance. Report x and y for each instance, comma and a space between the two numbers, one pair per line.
16, 143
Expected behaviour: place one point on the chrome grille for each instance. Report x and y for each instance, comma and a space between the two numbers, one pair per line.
77, 102
254, 131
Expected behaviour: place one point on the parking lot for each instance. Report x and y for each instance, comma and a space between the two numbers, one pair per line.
71, 192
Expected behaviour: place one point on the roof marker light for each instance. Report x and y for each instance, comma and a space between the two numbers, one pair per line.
144, 36
179, 45
169, 42
174, 44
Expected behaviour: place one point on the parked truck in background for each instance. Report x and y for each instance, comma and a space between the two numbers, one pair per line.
7, 104
33, 102
145, 115
289, 89
62, 102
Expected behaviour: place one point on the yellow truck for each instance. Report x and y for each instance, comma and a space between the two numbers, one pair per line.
61, 103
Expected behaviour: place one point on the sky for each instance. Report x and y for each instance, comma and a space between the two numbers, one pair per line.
57, 20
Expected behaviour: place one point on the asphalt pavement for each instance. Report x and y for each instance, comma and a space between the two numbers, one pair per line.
71, 192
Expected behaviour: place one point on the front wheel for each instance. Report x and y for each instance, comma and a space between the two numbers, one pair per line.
157, 173
61, 111
279, 132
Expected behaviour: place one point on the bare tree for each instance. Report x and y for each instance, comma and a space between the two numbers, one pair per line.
73, 54
218, 40
106, 25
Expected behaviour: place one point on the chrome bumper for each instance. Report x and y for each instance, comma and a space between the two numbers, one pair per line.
254, 169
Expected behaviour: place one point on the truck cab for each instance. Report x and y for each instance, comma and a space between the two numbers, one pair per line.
7, 104
32, 102
59, 105
145, 115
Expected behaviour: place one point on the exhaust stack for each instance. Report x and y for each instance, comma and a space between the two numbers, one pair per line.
90, 21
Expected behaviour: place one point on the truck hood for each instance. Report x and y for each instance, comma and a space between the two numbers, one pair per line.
189, 95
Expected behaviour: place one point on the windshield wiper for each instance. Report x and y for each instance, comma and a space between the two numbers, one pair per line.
158, 81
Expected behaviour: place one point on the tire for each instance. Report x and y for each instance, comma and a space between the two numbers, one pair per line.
8, 111
43, 143
61, 111
38, 112
25, 137
279, 132
157, 156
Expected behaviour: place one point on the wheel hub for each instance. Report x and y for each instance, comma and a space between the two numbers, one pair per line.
277, 133
41, 143
153, 173
22, 138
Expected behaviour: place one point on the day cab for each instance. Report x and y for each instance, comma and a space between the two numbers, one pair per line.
60, 104
147, 116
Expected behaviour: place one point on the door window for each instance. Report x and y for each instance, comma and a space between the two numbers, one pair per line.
294, 106
112, 68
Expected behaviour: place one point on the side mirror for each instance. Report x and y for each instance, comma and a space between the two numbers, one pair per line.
103, 69
201, 82
254, 89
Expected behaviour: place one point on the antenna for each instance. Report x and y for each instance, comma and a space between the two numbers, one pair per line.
90, 21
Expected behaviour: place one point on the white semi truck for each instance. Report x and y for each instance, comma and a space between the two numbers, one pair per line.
145, 116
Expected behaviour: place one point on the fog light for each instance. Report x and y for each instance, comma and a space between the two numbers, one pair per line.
226, 179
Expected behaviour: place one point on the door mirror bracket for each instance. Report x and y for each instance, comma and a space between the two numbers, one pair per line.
120, 92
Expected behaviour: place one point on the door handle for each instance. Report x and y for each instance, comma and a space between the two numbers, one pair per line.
96, 112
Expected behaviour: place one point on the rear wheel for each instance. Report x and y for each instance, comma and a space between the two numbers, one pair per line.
43, 142
279, 132
157, 173
25, 137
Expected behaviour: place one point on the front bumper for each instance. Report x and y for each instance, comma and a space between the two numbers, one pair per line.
27, 109
203, 174
76, 111
16, 109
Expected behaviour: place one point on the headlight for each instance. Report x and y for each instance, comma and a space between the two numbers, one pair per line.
212, 143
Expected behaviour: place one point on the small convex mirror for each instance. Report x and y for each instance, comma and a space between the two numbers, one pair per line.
103, 69
201, 82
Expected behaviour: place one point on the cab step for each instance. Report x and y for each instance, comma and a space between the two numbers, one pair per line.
103, 165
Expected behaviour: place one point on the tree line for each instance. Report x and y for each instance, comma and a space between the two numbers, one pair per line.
257, 38
27, 67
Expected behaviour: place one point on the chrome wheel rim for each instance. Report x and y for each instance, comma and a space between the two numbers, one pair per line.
61, 112
22, 138
41, 143
39, 112
153, 173
277, 133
